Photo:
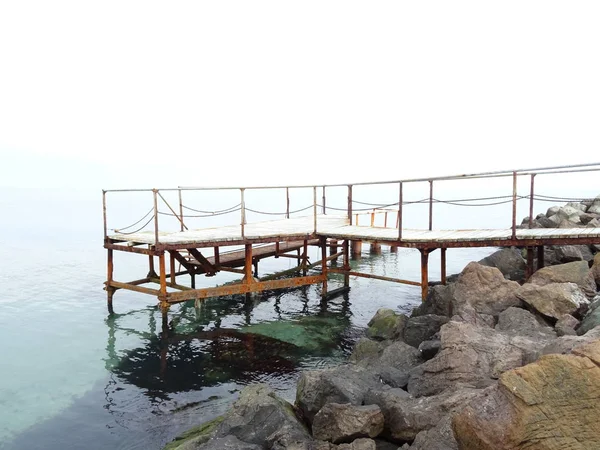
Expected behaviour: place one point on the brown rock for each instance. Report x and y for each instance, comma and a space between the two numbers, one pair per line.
554, 299
577, 272
359, 444
551, 404
339, 423
596, 269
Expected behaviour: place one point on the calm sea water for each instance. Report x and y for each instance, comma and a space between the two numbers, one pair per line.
71, 376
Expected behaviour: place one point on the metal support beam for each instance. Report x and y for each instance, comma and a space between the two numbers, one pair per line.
540, 257
424, 273
109, 278
443, 264
529, 268
324, 266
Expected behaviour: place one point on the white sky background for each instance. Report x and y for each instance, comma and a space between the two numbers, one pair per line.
124, 94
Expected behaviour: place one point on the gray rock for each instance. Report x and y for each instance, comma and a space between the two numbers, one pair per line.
471, 356
367, 350
342, 384
439, 301
228, 443
385, 445
576, 205
592, 318
522, 322
587, 218
466, 313
508, 261
594, 209
386, 324
552, 211
569, 213
577, 272
395, 363
565, 344
568, 253
554, 299
566, 325
340, 423
596, 269
359, 444
440, 437
594, 223
405, 416
485, 289
258, 414
429, 349
419, 329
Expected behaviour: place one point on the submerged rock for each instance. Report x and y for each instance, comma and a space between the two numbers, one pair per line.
340, 423
551, 404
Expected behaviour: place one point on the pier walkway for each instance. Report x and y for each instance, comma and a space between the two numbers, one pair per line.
291, 236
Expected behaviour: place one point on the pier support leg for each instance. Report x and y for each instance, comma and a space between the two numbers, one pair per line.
540, 257
424, 273
346, 249
443, 265
151, 271
375, 248
356, 249
163, 279
393, 248
110, 291
305, 258
248, 278
324, 267
172, 264
164, 344
193, 280
529, 269
333, 249
256, 268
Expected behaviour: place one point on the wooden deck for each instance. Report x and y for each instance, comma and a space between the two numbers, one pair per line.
329, 226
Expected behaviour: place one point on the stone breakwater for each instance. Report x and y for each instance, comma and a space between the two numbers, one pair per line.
488, 361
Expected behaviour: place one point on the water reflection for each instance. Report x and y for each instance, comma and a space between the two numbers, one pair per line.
199, 345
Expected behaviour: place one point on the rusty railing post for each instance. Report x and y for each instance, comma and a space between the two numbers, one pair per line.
531, 201
324, 209
287, 202
514, 207
350, 204
243, 212
181, 209
104, 214
430, 205
315, 208
155, 194
400, 201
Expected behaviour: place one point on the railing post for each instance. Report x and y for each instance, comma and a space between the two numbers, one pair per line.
104, 214
287, 202
531, 201
514, 207
400, 201
315, 208
243, 211
155, 194
324, 211
181, 209
430, 205
350, 204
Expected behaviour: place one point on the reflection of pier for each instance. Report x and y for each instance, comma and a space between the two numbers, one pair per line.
200, 251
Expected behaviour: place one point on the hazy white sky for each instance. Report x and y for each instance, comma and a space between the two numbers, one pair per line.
112, 94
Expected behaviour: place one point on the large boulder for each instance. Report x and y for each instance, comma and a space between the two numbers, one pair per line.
554, 299
422, 328
508, 261
596, 269
259, 416
386, 324
565, 344
577, 272
551, 404
522, 322
439, 301
440, 437
342, 384
566, 326
406, 416
228, 443
391, 362
471, 356
592, 318
359, 444
485, 289
340, 423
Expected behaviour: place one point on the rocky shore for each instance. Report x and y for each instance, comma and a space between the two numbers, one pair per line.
488, 361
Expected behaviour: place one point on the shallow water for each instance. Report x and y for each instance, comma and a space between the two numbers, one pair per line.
73, 377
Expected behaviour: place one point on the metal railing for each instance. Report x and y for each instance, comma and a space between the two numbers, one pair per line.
350, 211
